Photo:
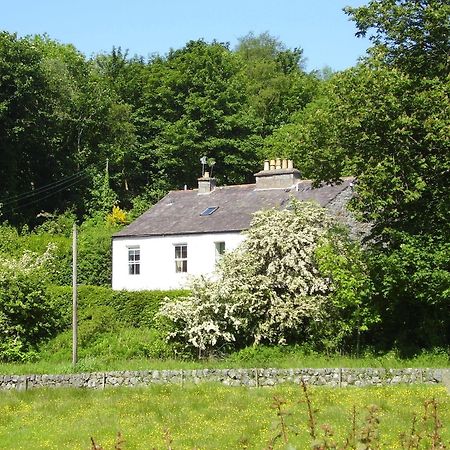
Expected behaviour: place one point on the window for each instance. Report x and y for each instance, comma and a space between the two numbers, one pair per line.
134, 260
180, 258
209, 211
220, 249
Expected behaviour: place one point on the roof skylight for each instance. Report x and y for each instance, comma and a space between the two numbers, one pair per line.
208, 211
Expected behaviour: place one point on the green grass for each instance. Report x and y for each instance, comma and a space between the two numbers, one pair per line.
206, 416
119, 353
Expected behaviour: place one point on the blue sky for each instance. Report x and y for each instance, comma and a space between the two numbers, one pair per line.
145, 27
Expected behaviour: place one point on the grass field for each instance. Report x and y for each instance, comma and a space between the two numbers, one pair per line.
206, 416
279, 357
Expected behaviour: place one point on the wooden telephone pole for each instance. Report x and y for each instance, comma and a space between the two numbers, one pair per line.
74, 297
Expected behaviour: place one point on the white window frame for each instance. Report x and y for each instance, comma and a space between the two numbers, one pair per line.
219, 250
134, 260
181, 258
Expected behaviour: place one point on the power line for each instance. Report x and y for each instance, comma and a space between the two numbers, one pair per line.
74, 182
42, 189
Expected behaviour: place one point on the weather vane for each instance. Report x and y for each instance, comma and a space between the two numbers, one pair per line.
203, 161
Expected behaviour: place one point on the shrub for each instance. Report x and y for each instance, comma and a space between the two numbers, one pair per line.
27, 315
111, 324
277, 287
130, 308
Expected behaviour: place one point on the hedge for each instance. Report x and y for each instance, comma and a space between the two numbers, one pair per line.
130, 308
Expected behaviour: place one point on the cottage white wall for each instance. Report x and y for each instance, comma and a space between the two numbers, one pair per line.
157, 265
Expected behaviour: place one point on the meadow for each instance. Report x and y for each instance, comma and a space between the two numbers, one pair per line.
213, 416
122, 351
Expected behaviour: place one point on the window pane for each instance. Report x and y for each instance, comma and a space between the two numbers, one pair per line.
134, 256
184, 251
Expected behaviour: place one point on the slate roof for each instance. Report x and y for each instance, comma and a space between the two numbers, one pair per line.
179, 211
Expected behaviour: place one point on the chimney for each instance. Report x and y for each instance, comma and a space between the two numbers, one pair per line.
206, 184
277, 174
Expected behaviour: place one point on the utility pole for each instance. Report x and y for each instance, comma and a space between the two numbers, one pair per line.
74, 297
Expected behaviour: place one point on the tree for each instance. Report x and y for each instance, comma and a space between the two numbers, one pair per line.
276, 83
412, 35
413, 288
280, 286
195, 105
311, 140
388, 120
53, 126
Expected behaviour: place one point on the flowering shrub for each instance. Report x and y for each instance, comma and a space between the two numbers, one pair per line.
269, 290
26, 316
117, 216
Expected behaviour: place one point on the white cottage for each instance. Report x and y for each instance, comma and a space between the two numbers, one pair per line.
186, 232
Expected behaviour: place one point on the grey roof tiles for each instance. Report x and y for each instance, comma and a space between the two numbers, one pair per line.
179, 212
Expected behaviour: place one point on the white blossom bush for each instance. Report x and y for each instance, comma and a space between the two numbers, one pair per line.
26, 315
269, 290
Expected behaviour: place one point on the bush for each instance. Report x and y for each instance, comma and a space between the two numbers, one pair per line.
129, 308
94, 248
109, 344
27, 314
111, 324
295, 276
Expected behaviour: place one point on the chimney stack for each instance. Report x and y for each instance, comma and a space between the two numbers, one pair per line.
277, 174
206, 184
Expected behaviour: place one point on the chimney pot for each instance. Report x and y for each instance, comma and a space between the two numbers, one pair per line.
266, 164
281, 175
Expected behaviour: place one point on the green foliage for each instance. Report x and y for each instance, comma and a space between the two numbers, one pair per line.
62, 116
94, 252
129, 308
53, 110
413, 35
94, 248
352, 312
260, 355
276, 85
413, 284
310, 140
274, 290
112, 324
55, 356
103, 198
386, 122
393, 130
27, 315
196, 105
57, 224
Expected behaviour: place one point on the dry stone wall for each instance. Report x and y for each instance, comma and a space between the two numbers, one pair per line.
340, 377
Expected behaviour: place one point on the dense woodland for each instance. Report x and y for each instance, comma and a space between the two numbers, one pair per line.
80, 135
